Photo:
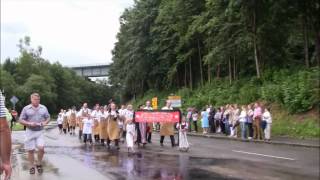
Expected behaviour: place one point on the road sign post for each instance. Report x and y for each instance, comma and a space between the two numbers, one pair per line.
14, 101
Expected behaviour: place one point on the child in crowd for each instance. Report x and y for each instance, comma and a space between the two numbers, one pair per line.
130, 128
59, 121
266, 116
183, 128
87, 128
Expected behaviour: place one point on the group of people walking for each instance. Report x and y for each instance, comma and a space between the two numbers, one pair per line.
106, 124
248, 121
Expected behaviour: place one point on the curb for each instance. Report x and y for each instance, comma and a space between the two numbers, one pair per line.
255, 141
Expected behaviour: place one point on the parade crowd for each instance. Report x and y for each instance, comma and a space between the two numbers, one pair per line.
106, 124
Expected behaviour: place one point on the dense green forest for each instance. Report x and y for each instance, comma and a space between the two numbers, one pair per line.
58, 86
237, 50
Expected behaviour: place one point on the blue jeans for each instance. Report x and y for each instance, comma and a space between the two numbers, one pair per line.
243, 130
227, 127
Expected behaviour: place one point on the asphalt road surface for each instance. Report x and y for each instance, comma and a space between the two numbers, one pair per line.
67, 158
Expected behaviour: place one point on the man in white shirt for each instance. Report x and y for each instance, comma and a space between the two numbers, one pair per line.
95, 115
84, 110
167, 129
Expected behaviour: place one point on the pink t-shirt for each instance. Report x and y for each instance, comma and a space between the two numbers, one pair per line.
257, 112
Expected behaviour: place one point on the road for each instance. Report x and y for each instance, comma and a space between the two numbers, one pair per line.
67, 158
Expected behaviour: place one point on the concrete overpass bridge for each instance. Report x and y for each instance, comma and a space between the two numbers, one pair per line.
91, 70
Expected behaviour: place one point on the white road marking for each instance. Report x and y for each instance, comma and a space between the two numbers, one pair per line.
278, 157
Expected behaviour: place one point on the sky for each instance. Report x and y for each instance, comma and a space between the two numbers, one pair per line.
73, 32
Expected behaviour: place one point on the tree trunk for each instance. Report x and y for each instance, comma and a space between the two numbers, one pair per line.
209, 73
306, 41
218, 71
318, 48
255, 46
234, 67
185, 74
200, 63
230, 72
190, 71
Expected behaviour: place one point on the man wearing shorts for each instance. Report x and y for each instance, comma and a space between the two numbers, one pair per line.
34, 116
5, 142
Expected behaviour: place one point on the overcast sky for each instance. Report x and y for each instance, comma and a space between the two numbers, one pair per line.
70, 31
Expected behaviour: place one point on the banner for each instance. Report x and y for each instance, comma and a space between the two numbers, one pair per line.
172, 116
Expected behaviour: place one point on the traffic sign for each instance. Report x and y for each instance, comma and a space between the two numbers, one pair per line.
14, 101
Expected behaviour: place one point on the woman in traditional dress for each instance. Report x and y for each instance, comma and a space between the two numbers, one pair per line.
95, 115
183, 128
65, 122
103, 134
113, 127
130, 128
72, 121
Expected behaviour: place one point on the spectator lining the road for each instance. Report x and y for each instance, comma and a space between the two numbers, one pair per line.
257, 121
205, 121
249, 121
189, 117
195, 116
217, 120
266, 116
243, 122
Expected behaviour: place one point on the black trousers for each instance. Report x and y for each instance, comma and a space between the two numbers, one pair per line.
195, 126
138, 133
171, 138
12, 123
96, 138
250, 129
87, 137
124, 134
116, 142
212, 126
80, 134
149, 137
222, 126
